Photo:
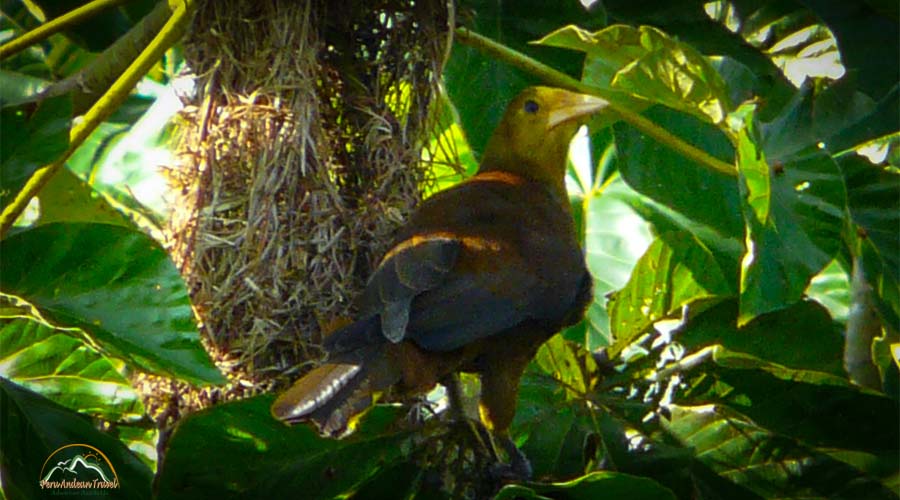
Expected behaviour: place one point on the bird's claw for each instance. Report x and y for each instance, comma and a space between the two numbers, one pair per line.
518, 468
514, 471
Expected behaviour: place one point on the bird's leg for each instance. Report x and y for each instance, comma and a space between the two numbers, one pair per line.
458, 413
519, 466
499, 394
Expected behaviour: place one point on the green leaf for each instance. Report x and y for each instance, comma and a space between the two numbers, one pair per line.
815, 116
881, 122
553, 418
674, 272
567, 363
817, 408
767, 463
17, 88
794, 216
646, 63
31, 137
448, 155
873, 195
676, 75
615, 237
141, 440
691, 23
66, 198
594, 486
678, 183
831, 288
551, 429
802, 336
34, 428
239, 450
65, 370
117, 285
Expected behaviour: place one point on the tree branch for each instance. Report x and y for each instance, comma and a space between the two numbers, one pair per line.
103, 108
558, 79
54, 26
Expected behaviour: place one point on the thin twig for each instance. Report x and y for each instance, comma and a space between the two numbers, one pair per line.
101, 110
54, 26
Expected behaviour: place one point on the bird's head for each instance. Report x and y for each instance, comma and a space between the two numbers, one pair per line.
532, 139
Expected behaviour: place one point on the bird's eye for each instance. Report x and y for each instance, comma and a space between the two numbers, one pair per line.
531, 106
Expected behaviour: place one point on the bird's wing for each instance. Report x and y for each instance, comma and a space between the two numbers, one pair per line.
444, 292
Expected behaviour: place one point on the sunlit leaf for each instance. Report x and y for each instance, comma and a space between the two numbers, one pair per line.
644, 62
65, 370
794, 216
866, 33
767, 463
831, 288
674, 272
117, 285
818, 408
66, 198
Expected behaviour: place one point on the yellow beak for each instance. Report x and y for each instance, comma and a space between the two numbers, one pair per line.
568, 106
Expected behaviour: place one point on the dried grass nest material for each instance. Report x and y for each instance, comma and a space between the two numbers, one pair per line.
298, 157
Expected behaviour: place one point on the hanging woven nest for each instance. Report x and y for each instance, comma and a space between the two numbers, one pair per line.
299, 156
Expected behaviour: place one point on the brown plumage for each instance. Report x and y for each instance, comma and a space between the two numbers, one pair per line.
481, 275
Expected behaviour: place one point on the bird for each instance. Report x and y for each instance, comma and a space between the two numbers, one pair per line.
479, 277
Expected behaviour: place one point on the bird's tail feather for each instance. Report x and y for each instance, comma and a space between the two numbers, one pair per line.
332, 394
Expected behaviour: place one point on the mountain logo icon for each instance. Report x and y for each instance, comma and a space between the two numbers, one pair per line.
78, 467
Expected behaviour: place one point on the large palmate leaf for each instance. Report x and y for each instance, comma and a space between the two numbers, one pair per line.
794, 215
553, 417
686, 187
66, 198
873, 193
867, 34
802, 336
710, 28
648, 64
115, 284
833, 118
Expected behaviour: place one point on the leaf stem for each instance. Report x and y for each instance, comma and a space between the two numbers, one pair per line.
558, 79
169, 34
56, 25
